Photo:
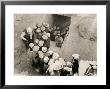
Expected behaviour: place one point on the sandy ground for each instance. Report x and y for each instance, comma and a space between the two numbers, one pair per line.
73, 43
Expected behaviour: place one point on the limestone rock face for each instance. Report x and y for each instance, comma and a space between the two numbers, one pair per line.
82, 38
87, 28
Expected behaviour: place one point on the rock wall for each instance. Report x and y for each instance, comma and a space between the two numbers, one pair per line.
82, 38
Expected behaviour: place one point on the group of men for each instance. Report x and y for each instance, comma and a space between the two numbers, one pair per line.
37, 38
41, 35
51, 64
47, 62
58, 34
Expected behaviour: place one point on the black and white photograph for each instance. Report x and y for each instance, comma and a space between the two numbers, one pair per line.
55, 44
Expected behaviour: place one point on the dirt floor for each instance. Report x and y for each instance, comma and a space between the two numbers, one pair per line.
77, 41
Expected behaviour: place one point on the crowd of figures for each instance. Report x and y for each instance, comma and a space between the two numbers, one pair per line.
45, 61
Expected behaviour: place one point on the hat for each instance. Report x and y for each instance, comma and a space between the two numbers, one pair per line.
51, 61
36, 48
55, 55
76, 56
62, 61
54, 27
44, 49
46, 24
46, 59
50, 52
68, 63
35, 27
38, 30
38, 25
41, 54
44, 33
45, 37
42, 28
58, 28
58, 65
29, 30
37, 41
58, 34
48, 34
41, 43
67, 68
31, 45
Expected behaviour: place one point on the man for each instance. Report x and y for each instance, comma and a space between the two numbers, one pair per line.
41, 62
31, 45
46, 39
38, 34
91, 70
55, 56
49, 54
45, 66
53, 33
36, 42
47, 27
44, 49
75, 64
64, 32
27, 36
58, 40
35, 49
66, 70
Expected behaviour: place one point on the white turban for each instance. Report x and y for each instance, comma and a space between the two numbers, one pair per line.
41, 54
29, 30
44, 49
50, 52
46, 59
43, 28
31, 45
51, 61
57, 65
41, 43
58, 27
36, 48
39, 25
46, 24
69, 64
68, 69
55, 55
37, 41
44, 33
62, 61
48, 34
38, 30
76, 56
45, 37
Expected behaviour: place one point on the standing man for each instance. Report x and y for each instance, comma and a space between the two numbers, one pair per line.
75, 64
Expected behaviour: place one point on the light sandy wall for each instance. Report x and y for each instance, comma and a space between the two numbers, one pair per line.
77, 44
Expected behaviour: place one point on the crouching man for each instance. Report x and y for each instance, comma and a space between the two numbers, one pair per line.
75, 64
27, 36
